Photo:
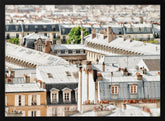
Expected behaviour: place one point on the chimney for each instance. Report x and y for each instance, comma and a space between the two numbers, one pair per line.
109, 34
103, 66
139, 76
47, 46
9, 72
141, 20
125, 107
105, 34
27, 78
93, 33
82, 36
87, 64
80, 90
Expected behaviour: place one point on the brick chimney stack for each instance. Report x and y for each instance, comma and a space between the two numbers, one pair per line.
47, 46
103, 66
109, 34
27, 78
105, 34
93, 33
82, 36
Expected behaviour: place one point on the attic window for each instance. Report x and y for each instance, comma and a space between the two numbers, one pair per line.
53, 27
44, 27
67, 73
16, 27
36, 26
49, 75
7, 28
26, 27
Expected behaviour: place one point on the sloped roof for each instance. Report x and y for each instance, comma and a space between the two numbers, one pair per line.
152, 64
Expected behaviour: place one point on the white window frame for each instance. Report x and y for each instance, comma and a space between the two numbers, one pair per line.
22, 100
134, 88
114, 90
54, 91
66, 91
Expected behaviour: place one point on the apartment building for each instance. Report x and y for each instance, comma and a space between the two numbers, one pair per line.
23, 97
106, 82
61, 83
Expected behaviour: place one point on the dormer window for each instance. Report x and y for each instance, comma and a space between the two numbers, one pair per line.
54, 95
53, 27
44, 28
36, 27
66, 95
26, 27
7, 28
16, 27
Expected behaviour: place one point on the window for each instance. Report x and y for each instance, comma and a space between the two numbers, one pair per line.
70, 51
16, 27
33, 113
133, 89
66, 95
53, 27
34, 100
77, 51
8, 36
45, 34
39, 48
19, 100
54, 35
26, 27
54, 111
114, 90
62, 51
17, 35
66, 109
54, 95
44, 28
7, 28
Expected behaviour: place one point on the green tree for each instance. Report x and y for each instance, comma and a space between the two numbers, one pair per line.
14, 41
75, 34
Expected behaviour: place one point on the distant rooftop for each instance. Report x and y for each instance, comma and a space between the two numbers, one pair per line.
134, 46
27, 87
32, 56
58, 74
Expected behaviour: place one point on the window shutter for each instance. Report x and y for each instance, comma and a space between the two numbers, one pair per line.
16, 100
23, 113
70, 96
5, 100
38, 99
51, 97
29, 113
38, 113
29, 99
23, 100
